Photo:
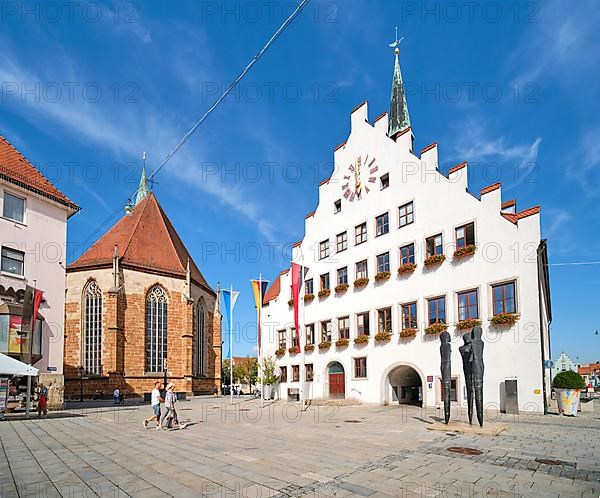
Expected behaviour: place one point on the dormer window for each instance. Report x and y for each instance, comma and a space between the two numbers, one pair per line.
337, 206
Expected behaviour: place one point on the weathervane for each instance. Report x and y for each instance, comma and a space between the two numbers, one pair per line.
396, 43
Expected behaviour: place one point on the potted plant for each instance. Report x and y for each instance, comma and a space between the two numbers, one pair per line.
406, 333
568, 386
465, 251
294, 350
382, 276
383, 336
309, 347
268, 377
324, 293
436, 328
468, 324
406, 268
436, 259
324, 344
308, 298
279, 351
342, 343
361, 339
341, 288
504, 319
361, 282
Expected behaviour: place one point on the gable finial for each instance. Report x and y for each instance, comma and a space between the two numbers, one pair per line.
396, 44
398, 117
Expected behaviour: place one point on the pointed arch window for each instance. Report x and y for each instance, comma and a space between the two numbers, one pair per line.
92, 309
201, 323
156, 329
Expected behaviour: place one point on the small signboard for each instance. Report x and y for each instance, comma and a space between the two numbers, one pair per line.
430, 378
548, 363
51, 369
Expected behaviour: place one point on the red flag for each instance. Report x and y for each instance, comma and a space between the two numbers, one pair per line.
37, 299
296, 272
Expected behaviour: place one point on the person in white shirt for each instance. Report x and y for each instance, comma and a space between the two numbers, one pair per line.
116, 396
155, 401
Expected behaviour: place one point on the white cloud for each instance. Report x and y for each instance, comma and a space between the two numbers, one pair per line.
584, 165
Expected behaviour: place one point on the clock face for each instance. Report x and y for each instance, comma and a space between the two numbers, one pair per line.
358, 177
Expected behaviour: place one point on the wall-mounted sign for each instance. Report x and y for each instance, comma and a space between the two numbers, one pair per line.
430, 385
430, 378
51, 369
537, 391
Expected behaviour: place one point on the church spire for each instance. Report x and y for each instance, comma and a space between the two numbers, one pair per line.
398, 117
143, 188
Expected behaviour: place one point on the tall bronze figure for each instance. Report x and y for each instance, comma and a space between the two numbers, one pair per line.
466, 352
477, 348
445, 350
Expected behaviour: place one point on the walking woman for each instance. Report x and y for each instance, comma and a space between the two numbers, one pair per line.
170, 412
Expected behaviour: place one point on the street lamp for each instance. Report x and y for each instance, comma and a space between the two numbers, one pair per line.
80, 368
165, 375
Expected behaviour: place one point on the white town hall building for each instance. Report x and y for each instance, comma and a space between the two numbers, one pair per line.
397, 251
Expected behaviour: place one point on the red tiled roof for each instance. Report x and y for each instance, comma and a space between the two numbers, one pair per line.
490, 188
359, 106
340, 146
588, 369
146, 241
514, 218
429, 147
14, 168
507, 204
312, 213
457, 167
273, 290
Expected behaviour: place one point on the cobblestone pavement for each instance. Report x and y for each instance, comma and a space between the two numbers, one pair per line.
243, 450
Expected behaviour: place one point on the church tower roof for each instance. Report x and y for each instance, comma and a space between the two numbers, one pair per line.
143, 189
398, 117
147, 242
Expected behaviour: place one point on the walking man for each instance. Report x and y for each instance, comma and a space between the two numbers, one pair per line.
156, 400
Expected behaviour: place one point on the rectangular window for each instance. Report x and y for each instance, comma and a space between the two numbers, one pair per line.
383, 262
360, 233
362, 323
324, 249
384, 181
342, 241
281, 338
465, 235
405, 214
342, 275
504, 295
468, 308
294, 337
13, 208
326, 331
310, 333
360, 368
344, 327
361, 269
295, 373
13, 261
337, 206
308, 286
435, 245
407, 254
325, 281
384, 320
283, 374
437, 310
309, 372
409, 316
382, 224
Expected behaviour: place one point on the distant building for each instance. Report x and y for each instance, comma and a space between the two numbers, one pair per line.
33, 236
590, 374
137, 304
564, 363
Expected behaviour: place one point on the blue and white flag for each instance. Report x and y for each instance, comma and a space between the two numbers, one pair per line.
229, 298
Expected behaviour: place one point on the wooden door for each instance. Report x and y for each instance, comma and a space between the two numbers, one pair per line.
337, 385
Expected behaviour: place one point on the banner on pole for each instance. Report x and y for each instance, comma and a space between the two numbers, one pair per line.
229, 299
259, 288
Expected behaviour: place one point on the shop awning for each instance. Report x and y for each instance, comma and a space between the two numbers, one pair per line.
10, 366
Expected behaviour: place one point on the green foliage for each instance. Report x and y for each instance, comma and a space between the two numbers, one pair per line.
568, 380
268, 368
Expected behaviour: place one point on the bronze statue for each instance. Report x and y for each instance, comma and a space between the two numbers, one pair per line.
466, 352
445, 350
477, 369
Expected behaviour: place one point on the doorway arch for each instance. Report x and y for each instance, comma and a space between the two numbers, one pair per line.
403, 384
336, 376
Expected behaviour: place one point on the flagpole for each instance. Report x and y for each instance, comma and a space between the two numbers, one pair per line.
231, 345
302, 363
258, 333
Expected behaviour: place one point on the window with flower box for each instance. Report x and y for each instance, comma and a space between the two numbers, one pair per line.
342, 275
383, 262
310, 333
360, 233
294, 337
465, 235
325, 281
435, 245
504, 296
360, 367
308, 286
281, 338
409, 316
361, 269
341, 241
283, 374
468, 306
384, 320
295, 373
405, 214
326, 331
324, 249
308, 368
382, 224
407, 254
362, 323
344, 327
437, 310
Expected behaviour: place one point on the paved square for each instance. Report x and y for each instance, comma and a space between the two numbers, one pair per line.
241, 450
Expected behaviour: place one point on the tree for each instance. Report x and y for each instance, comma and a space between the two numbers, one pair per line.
268, 368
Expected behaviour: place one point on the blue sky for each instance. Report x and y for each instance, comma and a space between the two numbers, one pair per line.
510, 88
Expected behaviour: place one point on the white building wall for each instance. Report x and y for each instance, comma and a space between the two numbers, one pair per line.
505, 252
